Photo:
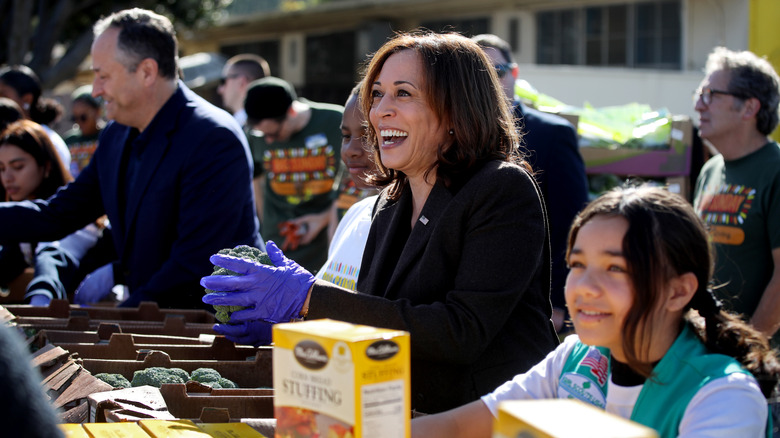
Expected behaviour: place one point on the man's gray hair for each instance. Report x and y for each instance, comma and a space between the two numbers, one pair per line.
750, 76
143, 34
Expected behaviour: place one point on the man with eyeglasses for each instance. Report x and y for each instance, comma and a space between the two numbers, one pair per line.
738, 191
300, 165
551, 142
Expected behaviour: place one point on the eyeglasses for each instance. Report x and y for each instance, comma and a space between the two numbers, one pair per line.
503, 69
705, 94
224, 79
79, 117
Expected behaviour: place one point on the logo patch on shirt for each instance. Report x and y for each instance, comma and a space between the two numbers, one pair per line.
577, 386
316, 140
598, 363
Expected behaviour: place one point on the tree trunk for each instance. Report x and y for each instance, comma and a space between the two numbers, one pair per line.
20, 31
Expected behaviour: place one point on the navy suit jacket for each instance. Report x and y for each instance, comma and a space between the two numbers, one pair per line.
551, 142
191, 197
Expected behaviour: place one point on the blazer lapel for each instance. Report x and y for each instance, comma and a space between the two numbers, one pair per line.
114, 165
430, 218
161, 131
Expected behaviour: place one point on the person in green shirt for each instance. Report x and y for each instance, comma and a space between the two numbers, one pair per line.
82, 139
738, 191
299, 167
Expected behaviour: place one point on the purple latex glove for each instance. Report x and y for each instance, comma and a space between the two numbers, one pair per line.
95, 286
40, 300
254, 333
272, 294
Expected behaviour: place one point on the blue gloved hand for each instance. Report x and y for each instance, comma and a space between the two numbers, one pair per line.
255, 333
95, 286
40, 300
272, 294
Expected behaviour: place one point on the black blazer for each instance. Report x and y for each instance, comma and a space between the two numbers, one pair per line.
471, 285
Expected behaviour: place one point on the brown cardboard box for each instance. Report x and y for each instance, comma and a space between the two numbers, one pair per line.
143, 401
173, 325
124, 346
190, 400
255, 373
146, 311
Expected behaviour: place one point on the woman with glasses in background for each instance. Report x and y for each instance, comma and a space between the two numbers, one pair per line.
82, 139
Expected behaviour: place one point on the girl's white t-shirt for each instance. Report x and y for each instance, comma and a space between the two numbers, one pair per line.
732, 406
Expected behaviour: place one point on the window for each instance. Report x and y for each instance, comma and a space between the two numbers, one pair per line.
645, 34
330, 67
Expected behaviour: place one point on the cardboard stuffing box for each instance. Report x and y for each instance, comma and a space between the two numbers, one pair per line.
341, 380
562, 418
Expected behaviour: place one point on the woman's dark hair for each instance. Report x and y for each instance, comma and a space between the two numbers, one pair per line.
10, 112
666, 239
31, 138
24, 81
462, 88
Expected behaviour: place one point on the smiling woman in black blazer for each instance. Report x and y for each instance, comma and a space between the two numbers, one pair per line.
458, 252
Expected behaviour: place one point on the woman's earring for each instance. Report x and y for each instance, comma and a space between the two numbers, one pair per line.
452, 132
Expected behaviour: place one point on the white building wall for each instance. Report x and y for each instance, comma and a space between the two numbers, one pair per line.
706, 24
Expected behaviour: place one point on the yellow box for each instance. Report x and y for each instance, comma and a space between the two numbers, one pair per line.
562, 418
73, 430
338, 380
172, 429
114, 430
230, 430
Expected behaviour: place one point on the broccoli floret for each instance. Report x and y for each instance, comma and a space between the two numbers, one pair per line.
115, 380
204, 375
245, 252
156, 376
226, 383
212, 378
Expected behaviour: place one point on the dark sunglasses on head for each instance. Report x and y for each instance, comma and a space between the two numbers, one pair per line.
79, 117
503, 69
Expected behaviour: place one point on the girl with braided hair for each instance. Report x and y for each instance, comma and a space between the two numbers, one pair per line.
652, 343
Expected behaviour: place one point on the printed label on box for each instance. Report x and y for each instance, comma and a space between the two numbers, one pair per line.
340, 380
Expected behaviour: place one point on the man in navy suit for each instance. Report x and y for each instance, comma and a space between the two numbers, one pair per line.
551, 142
172, 173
